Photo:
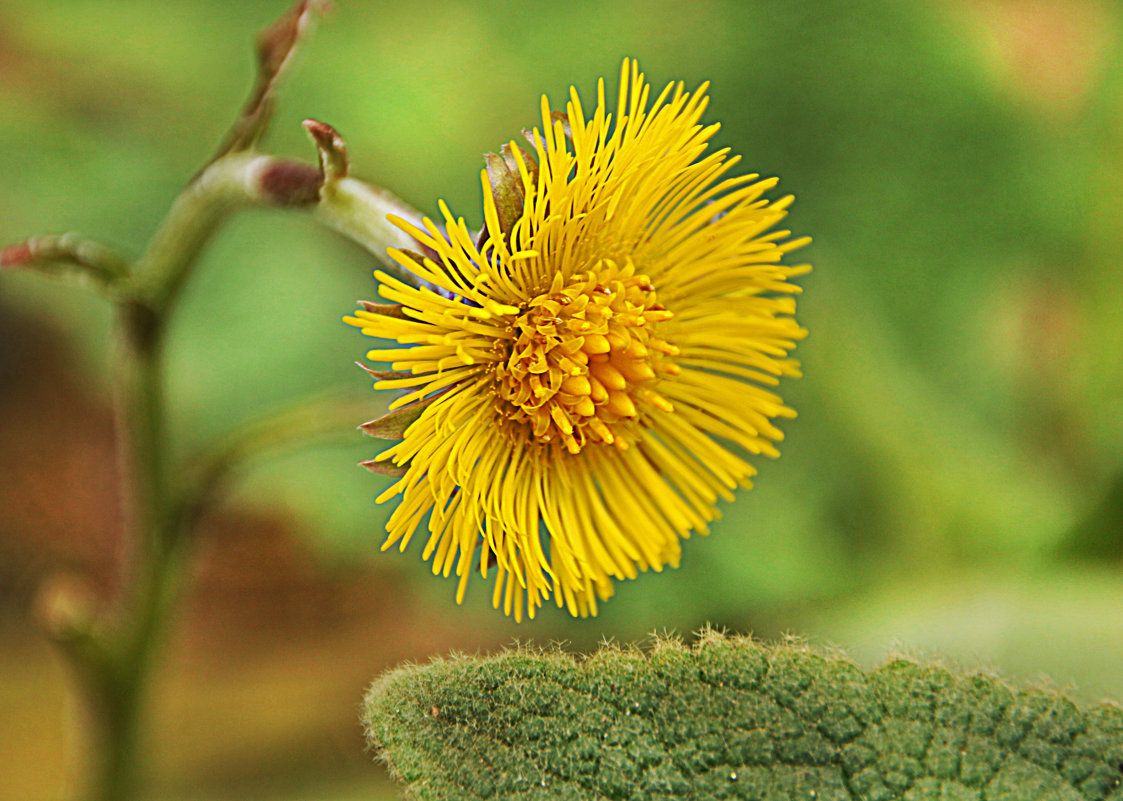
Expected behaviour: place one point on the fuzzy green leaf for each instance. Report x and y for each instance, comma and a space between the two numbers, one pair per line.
731, 718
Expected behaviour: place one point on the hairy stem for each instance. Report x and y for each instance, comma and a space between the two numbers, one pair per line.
157, 530
115, 657
113, 654
234, 181
152, 566
358, 211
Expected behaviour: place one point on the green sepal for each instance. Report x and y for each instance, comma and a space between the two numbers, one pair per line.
393, 425
507, 189
384, 468
385, 375
563, 118
555, 116
385, 309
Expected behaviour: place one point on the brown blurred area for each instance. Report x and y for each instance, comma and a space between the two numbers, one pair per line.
1048, 53
265, 669
259, 688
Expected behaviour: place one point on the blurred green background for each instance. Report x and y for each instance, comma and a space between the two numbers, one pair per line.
953, 486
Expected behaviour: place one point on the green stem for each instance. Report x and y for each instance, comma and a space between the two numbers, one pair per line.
115, 659
152, 568
234, 181
358, 211
113, 655
157, 531
70, 257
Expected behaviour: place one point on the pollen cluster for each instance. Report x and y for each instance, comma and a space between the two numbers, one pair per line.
585, 360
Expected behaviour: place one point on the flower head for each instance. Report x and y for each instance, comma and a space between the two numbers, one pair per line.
585, 379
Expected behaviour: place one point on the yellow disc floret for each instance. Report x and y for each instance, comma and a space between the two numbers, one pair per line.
585, 360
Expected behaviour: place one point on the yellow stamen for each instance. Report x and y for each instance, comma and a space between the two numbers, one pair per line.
578, 371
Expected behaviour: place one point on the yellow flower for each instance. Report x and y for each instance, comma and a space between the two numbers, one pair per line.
585, 379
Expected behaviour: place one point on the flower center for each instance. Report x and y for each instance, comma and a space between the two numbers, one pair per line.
584, 361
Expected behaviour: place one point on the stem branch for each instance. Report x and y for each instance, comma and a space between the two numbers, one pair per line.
234, 181
358, 211
157, 526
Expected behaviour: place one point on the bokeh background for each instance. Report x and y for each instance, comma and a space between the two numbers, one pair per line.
952, 488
